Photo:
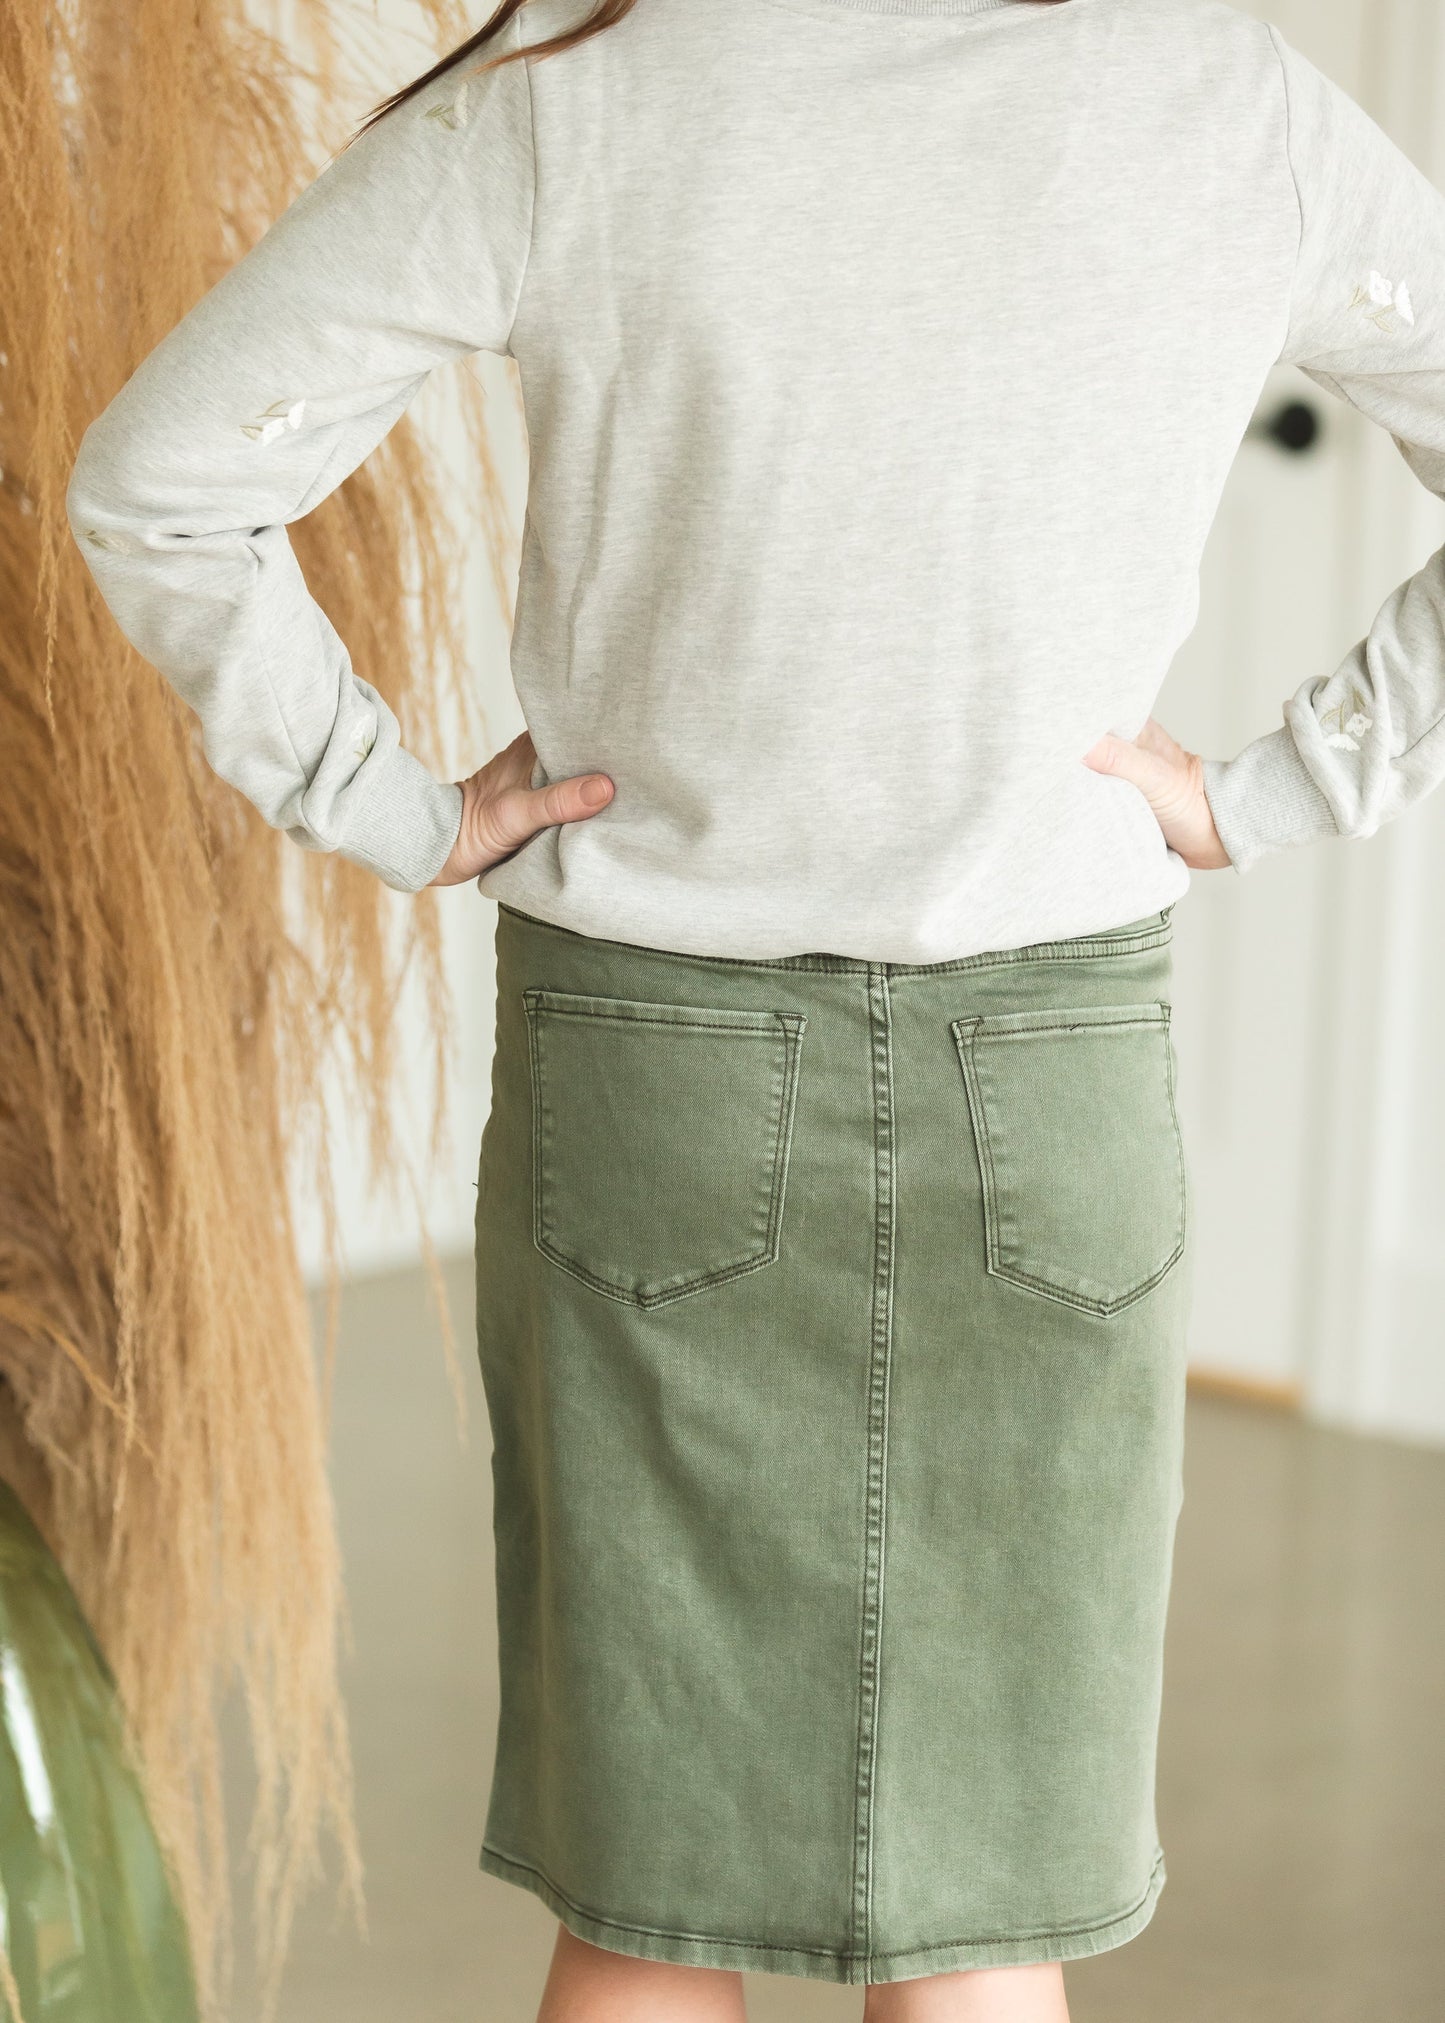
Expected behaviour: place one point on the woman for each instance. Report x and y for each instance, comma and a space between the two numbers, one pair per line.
883, 362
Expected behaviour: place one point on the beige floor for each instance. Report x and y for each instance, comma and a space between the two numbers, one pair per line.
1303, 1768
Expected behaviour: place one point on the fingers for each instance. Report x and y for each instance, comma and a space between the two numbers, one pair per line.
1153, 773
1162, 771
504, 784
510, 767
1154, 738
1171, 781
511, 816
567, 800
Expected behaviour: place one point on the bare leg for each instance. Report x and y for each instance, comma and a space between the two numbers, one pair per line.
587, 1985
990, 1995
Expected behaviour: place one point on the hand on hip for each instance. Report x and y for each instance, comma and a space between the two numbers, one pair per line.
501, 811
1172, 782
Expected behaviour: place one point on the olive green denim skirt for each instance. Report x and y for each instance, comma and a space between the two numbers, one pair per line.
831, 1318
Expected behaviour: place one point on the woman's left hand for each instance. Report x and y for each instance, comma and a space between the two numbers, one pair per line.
1172, 782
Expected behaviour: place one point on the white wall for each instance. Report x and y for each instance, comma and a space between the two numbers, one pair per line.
1376, 1310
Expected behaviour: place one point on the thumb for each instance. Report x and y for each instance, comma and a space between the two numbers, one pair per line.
519, 813
1155, 776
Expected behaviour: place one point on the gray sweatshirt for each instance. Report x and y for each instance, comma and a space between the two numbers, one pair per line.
883, 362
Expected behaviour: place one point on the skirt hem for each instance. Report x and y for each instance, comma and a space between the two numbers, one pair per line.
691, 1949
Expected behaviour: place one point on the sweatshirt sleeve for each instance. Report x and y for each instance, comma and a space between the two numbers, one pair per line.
408, 249
1367, 322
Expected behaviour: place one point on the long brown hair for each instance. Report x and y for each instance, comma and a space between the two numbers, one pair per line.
604, 14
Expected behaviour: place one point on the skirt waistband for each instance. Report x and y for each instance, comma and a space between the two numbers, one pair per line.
1153, 930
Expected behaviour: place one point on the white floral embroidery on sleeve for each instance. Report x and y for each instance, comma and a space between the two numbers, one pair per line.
455, 113
1348, 730
1383, 303
281, 414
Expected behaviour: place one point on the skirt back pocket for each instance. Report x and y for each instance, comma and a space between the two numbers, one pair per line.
1079, 1149
660, 1140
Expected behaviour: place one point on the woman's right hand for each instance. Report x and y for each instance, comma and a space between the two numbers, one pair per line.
1172, 782
501, 811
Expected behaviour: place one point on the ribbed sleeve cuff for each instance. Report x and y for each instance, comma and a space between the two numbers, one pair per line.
401, 822
1266, 800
